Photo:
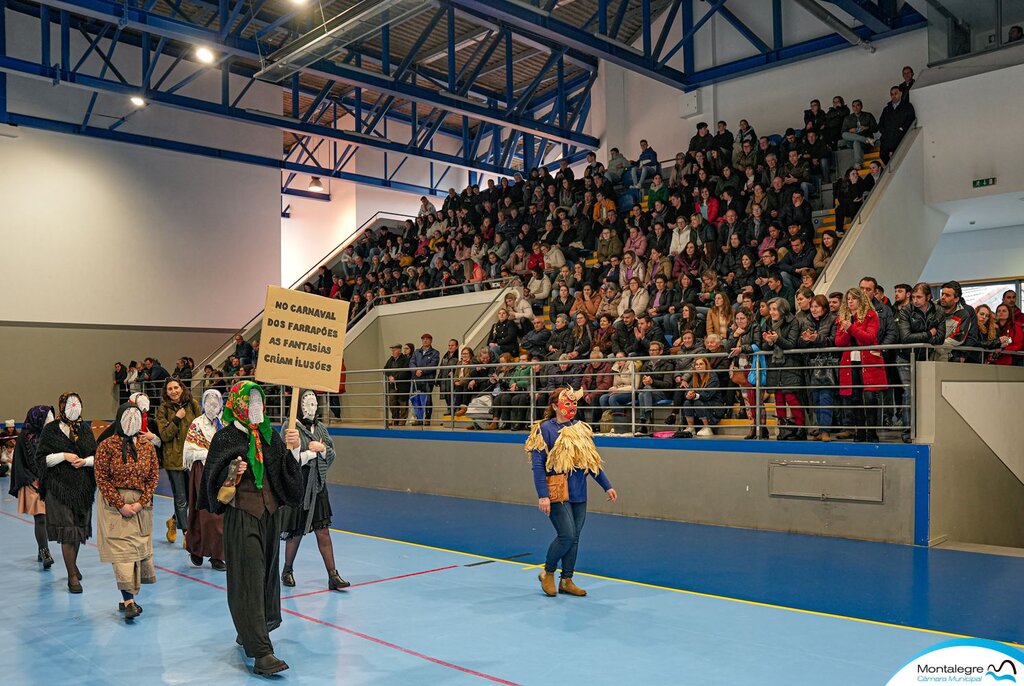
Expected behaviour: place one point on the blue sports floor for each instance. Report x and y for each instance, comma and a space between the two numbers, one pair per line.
669, 603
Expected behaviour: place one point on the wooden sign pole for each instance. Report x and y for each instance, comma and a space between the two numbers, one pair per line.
293, 412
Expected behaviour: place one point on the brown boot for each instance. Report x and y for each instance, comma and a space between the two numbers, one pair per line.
547, 583
569, 588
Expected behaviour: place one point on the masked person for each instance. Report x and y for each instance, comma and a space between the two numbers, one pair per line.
175, 414
205, 529
25, 477
64, 458
141, 401
316, 454
265, 476
127, 474
562, 454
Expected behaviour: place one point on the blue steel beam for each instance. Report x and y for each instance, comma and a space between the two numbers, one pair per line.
125, 16
207, 151
288, 124
532, 19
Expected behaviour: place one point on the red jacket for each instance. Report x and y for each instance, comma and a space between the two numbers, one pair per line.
341, 380
1015, 331
872, 369
712, 209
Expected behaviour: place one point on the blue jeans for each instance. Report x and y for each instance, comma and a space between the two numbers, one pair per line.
822, 400
613, 400
858, 142
568, 519
179, 488
639, 174
648, 398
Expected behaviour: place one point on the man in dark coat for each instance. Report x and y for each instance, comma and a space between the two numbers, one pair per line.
397, 375
894, 123
424, 363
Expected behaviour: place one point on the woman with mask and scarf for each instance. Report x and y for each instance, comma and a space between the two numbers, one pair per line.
316, 454
127, 473
64, 458
248, 455
562, 454
25, 477
175, 414
205, 529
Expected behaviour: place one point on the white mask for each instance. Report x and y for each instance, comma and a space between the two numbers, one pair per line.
73, 408
141, 401
131, 421
255, 406
212, 404
309, 405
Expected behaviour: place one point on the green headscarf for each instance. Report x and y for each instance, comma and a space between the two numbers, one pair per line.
236, 409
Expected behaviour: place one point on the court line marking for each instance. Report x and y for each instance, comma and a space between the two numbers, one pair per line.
754, 603
336, 627
370, 583
656, 587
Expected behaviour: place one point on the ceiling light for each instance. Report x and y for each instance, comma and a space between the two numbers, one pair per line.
138, 101
205, 55
298, 2
316, 185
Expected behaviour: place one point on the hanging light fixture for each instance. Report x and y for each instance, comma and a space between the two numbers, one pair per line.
205, 55
137, 100
316, 185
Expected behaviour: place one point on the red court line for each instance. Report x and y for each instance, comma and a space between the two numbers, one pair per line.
407, 651
368, 583
336, 627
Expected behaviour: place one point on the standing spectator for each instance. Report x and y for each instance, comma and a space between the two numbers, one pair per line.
834, 121
744, 337
424, 363
961, 323
183, 372
781, 333
893, 124
1010, 300
919, 322
449, 361
134, 378
154, 376
861, 372
397, 377
173, 418
907, 83
819, 331
1011, 338
121, 383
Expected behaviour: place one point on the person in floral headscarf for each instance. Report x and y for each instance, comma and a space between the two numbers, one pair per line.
250, 457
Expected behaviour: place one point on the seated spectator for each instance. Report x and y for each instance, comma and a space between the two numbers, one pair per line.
630, 268
824, 252
610, 299
689, 321
859, 129
554, 260
582, 340
636, 245
719, 316
623, 386
815, 153
536, 341
798, 212
608, 246
798, 259
849, 198
597, 379
243, 350
703, 399
603, 334
707, 205
538, 290
587, 303
561, 303
510, 408
560, 342
504, 335
655, 380
661, 301
461, 377
634, 298
617, 166
645, 165
519, 310
688, 262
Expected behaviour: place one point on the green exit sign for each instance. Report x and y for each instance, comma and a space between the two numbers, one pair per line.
982, 183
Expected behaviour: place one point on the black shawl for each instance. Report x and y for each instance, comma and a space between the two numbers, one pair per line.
281, 469
23, 468
76, 488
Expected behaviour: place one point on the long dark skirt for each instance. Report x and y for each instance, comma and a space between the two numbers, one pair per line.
293, 519
65, 525
205, 530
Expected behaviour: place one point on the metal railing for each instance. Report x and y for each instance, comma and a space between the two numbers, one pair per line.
481, 395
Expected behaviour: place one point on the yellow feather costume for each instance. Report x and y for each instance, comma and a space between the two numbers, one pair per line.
573, 449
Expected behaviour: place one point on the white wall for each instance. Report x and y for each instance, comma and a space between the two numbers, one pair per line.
628, 107
969, 255
971, 133
314, 228
117, 234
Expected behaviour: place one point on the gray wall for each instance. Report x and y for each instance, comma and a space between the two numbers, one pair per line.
701, 486
975, 496
39, 361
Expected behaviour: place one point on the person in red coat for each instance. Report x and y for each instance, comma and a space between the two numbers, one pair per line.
861, 372
1009, 338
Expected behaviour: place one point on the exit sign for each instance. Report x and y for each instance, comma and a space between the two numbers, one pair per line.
982, 183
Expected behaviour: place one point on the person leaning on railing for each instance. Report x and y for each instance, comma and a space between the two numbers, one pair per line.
861, 372
744, 341
780, 334
819, 331
1010, 338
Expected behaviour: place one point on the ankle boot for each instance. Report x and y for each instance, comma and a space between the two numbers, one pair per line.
335, 582
287, 578
547, 583
751, 435
762, 433
269, 664
45, 558
799, 434
569, 588
784, 430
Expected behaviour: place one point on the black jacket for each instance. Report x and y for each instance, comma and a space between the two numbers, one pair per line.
505, 335
536, 342
893, 124
561, 340
398, 368
282, 472
780, 372
887, 331
914, 326
661, 372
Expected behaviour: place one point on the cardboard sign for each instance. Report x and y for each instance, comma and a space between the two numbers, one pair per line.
302, 340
